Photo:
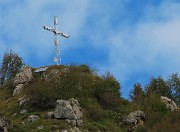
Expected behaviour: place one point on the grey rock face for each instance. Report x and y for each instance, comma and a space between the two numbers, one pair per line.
24, 76
69, 110
32, 118
23, 111
18, 89
40, 127
134, 118
4, 124
74, 129
169, 103
21, 79
23, 100
76, 107
63, 109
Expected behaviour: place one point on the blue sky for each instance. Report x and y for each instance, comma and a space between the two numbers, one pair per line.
132, 39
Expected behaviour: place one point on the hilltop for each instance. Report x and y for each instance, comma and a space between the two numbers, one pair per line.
75, 98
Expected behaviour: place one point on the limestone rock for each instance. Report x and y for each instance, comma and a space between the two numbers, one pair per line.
74, 122
23, 100
23, 111
40, 127
63, 109
134, 119
4, 124
21, 79
18, 89
74, 129
69, 110
76, 108
169, 103
24, 76
32, 118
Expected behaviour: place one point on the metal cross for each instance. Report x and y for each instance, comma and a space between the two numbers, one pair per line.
57, 57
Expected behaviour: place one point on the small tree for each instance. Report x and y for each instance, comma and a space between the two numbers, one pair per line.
158, 86
137, 94
11, 65
174, 85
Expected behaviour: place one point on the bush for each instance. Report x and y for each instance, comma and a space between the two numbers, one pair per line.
95, 113
73, 82
107, 92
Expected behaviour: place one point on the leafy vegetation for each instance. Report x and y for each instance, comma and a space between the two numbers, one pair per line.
11, 65
158, 116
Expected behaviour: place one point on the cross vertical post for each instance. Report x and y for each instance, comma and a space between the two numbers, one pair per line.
57, 57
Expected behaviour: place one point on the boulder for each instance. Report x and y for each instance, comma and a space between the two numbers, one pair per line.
69, 110
23, 100
21, 79
134, 119
32, 118
63, 109
4, 124
23, 111
169, 103
40, 127
74, 129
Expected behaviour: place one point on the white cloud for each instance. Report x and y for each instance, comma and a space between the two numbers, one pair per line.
150, 47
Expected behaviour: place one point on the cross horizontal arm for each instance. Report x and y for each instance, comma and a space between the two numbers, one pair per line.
48, 28
63, 34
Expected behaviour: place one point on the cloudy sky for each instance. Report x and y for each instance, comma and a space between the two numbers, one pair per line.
132, 39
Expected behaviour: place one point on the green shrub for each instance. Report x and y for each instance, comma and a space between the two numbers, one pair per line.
95, 113
73, 82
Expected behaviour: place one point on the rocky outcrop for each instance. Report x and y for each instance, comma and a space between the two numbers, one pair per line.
74, 129
70, 111
23, 111
134, 119
32, 118
23, 100
63, 109
18, 89
4, 124
40, 127
169, 103
21, 79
